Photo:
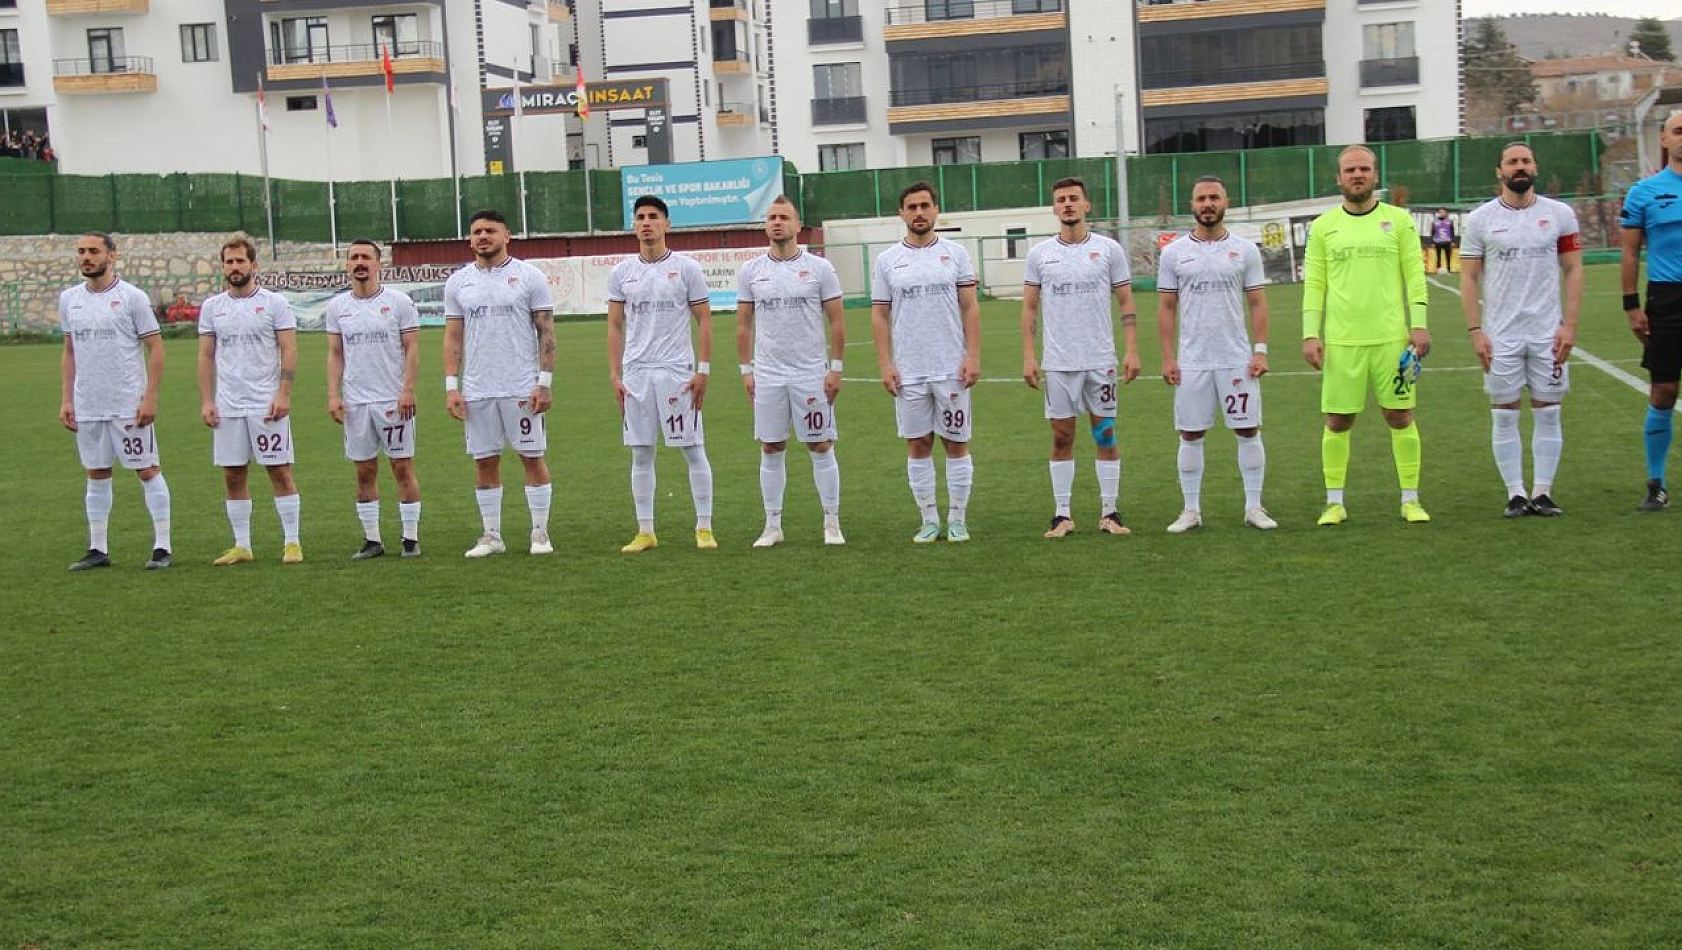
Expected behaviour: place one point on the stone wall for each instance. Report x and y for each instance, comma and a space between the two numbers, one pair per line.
35, 268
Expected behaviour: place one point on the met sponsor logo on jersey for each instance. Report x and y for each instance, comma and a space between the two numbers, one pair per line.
1524, 253
1206, 286
1067, 287
913, 291
90, 334
491, 310
643, 308
238, 338
1369, 252
360, 337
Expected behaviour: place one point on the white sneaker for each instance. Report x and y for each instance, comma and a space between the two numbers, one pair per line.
832, 531
488, 545
540, 542
1259, 518
1187, 520
769, 538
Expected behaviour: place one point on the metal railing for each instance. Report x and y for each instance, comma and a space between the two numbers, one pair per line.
838, 110
1008, 90
736, 108
839, 29
355, 53
936, 11
730, 55
1399, 71
728, 4
1265, 72
102, 66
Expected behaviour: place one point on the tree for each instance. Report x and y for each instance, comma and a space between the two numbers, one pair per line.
1498, 80
1653, 38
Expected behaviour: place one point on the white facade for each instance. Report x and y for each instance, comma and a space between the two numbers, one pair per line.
1352, 29
26, 25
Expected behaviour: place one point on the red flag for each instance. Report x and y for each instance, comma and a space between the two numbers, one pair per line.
385, 67
582, 99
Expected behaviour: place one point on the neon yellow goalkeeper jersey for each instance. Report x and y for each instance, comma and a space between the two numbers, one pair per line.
1364, 277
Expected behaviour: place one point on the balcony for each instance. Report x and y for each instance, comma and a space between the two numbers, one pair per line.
116, 74
843, 110
839, 29
936, 19
357, 59
11, 75
735, 113
1153, 78
1158, 11
1000, 105
96, 7
1312, 87
559, 11
731, 62
1399, 71
728, 10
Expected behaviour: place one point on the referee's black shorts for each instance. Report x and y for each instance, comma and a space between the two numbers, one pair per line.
1662, 359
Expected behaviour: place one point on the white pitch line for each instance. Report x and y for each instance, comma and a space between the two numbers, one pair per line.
1632, 381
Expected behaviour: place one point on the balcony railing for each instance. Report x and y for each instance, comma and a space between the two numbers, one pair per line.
1401, 71
728, 4
11, 74
839, 29
103, 66
1009, 90
355, 53
1151, 78
935, 11
838, 111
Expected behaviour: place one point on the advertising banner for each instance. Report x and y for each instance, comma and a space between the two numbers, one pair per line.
705, 194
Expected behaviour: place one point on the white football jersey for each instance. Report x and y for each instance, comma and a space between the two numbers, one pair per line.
1520, 250
1077, 283
105, 329
790, 333
920, 286
371, 331
247, 357
1210, 279
495, 305
657, 296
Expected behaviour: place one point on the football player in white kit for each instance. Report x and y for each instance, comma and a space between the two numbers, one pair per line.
112, 364
1513, 251
926, 321
1071, 278
248, 359
499, 372
788, 301
373, 360
657, 380
1206, 281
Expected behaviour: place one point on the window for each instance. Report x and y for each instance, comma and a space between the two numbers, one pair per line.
105, 50
1394, 124
11, 60
1050, 144
964, 150
198, 42
298, 40
1387, 41
949, 9
401, 32
1020, 7
831, 9
1229, 56
841, 158
301, 104
837, 81
1235, 131
639, 141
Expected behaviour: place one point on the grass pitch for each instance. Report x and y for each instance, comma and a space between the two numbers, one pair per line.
1462, 734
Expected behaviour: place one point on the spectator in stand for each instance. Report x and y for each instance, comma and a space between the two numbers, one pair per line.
9, 146
182, 311
46, 154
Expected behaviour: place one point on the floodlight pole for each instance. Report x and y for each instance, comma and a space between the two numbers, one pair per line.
1122, 211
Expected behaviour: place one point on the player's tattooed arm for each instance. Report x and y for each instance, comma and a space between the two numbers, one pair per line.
544, 321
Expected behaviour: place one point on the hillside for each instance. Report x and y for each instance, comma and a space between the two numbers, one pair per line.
1551, 36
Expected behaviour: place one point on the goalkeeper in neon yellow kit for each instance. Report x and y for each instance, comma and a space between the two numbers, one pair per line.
1364, 325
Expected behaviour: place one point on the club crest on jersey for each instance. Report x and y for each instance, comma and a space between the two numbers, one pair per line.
385, 310
259, 308
1384, 226
803, 275
1541, 222
671, 275
946, 258
513, 281
1092, 255
1232, 255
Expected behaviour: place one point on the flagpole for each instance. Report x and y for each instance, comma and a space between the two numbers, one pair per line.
455, 167
332, 197
263, 150
390, 91
514, 149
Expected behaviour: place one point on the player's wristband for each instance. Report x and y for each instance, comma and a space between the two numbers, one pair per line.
746, 368
1473, 329
835, 366
545, 379
1260, 348
452, 384
703, 368
1632, 302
